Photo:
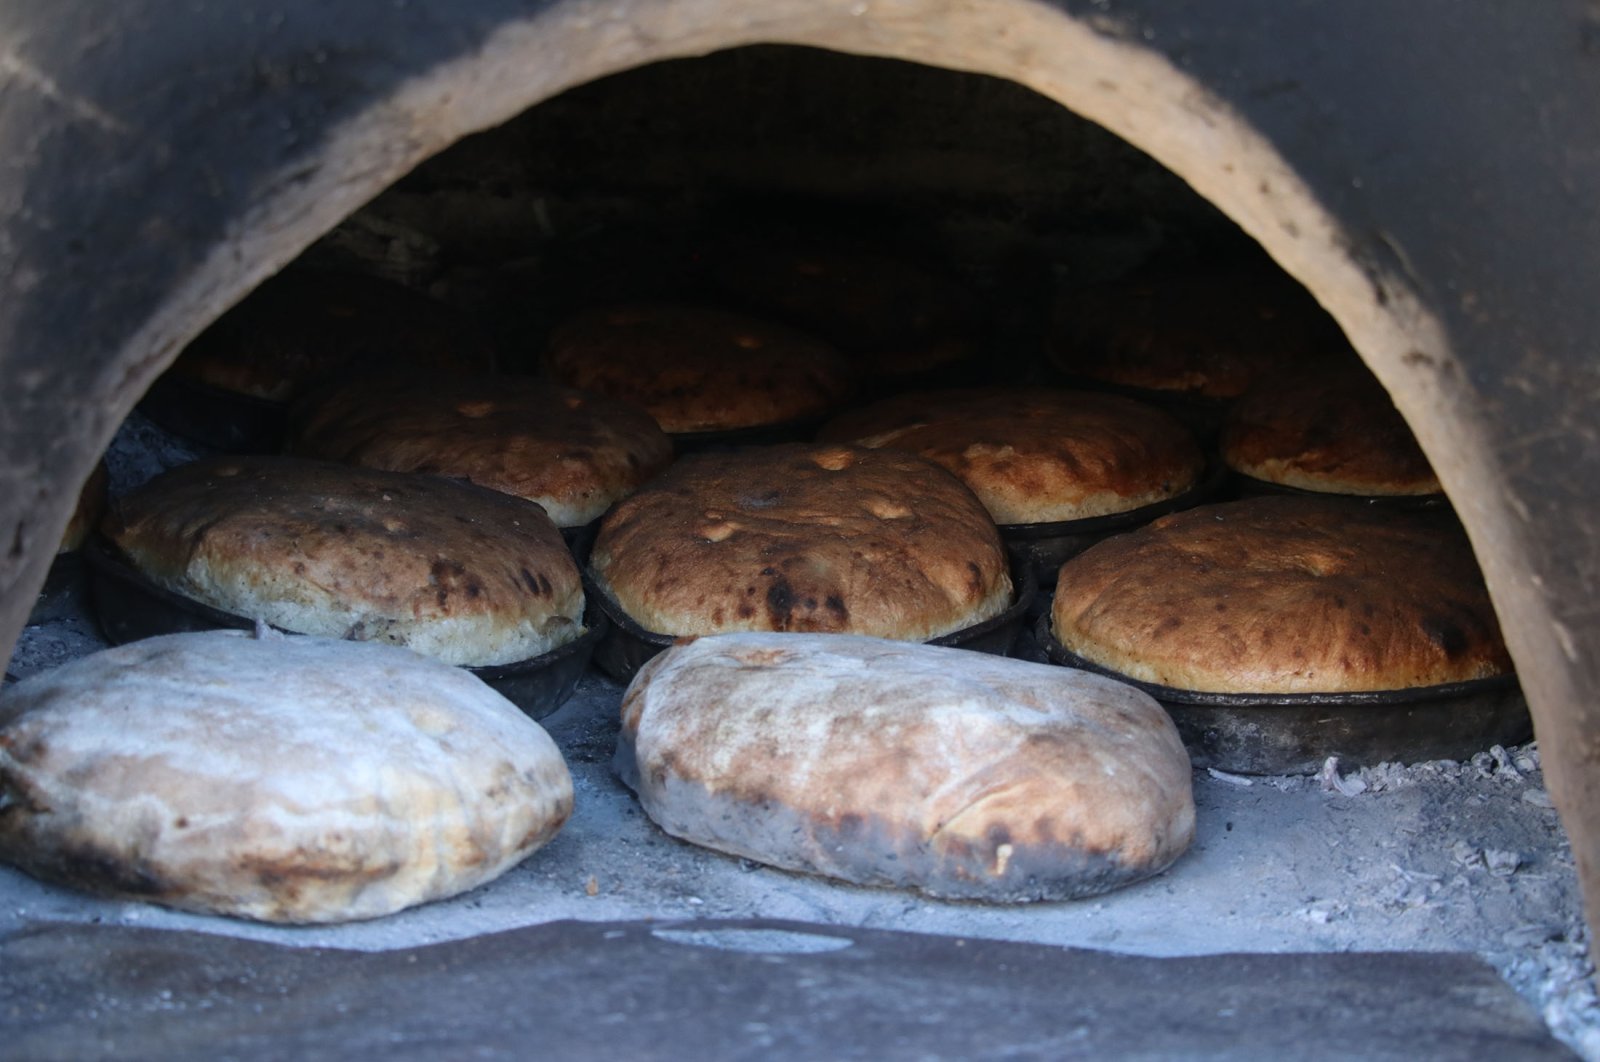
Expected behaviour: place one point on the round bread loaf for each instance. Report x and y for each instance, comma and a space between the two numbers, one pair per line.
283, 779
304, 324
896, 316
462, 574
694, 368
804, 538
1033, 456
955, 773
1283, 595
91, 504
1333, 431
1208, 336
573, 453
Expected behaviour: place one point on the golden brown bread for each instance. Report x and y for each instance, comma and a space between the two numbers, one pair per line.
696, 368
1334, 431
951, 772
304, 324
1283, 595
1208, 336
804, 538
898, 317
453, 571
284, 779
573, 453
91, 504
1035, 455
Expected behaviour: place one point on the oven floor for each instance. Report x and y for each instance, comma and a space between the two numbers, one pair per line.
1436, 857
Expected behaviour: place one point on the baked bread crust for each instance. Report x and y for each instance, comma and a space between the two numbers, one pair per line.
1336, 432
896, 316
695, 368
91, 506
285, 779
804, 538
1283, 595
955, 773
452, 571
1208, 336
574, 453
1033, 456
304, 324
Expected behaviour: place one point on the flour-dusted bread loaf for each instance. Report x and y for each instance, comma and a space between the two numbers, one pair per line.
283, 779
1283, 595
1332, 430
1034, 455
572, 452
1208, 335
306, 323
698, 368
456, 572
954, 773
804, 538
896, 316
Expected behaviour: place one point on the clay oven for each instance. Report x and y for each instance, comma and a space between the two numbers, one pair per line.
1429, 179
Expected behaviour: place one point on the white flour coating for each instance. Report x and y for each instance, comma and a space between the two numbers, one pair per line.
879, 762
287, 779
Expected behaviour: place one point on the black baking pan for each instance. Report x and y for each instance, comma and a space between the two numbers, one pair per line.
1046, 546
225, 420
1295, 733
130, 607
628, 646
1240, 485
699, 442
66, 588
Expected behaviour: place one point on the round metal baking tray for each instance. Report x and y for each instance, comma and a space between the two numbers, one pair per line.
229, 421
1242, 486
696, 442
1295, 733
628, 646
130, 607
1046, 546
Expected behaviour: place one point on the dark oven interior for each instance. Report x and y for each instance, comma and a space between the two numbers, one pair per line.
614, 191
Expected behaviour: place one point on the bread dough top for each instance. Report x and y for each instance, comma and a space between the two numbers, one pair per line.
898, 317
957, 773
696, 368
1209, 336
285, 779
1334, 431
459, 573
804, 538
1283, 595
1032, 455
574, 453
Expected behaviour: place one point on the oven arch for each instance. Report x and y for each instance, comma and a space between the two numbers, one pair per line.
328, 109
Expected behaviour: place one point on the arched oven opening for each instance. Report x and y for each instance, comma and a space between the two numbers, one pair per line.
628, 187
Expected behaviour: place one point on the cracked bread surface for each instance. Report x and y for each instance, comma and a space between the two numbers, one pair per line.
809, 537
955, 773
1284, 595
572, 452
465, 575
1035, 456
